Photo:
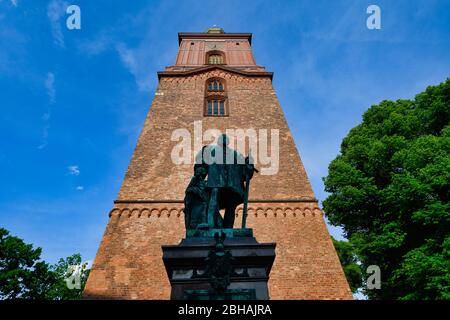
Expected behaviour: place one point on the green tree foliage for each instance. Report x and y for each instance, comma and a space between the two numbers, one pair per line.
389, 190
23, 275
67, 288
349, 261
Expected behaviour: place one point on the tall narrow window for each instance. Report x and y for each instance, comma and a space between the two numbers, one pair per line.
215, 108
210, 109
215, 98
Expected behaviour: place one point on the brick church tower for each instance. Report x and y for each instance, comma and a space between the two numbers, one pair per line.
215, 81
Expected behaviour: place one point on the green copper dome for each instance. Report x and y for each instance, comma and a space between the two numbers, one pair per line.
215, 29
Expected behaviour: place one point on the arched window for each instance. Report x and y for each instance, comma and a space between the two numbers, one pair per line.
215, 85
215, 57
215, 98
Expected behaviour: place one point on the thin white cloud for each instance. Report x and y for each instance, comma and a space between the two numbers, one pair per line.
80, 188
55, 10
73, 170
50, 86
14, 2
133, 61
127, 56
45, 131
144, 56
97, 45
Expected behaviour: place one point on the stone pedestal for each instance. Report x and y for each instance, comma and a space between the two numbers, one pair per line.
198, 265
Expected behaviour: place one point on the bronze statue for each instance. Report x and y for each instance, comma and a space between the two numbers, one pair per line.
196, 201
228, 174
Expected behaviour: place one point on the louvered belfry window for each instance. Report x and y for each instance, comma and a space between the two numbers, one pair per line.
215, 59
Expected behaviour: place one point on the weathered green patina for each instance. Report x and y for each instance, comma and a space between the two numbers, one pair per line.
221, 181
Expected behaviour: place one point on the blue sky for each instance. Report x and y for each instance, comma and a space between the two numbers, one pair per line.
73, 102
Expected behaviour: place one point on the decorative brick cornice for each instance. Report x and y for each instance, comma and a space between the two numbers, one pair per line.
279, 210
202, 35
213, 67
303, 199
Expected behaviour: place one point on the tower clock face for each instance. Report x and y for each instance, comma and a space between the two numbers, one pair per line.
215, 45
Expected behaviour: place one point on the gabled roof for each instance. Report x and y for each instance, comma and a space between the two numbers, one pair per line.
212, 67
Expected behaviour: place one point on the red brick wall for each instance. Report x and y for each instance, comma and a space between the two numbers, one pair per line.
192, 52
129, 261
179, 102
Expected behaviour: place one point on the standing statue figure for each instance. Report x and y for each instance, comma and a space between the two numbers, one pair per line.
227, 172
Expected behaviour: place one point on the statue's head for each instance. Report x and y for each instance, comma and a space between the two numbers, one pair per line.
200, 172
223, 140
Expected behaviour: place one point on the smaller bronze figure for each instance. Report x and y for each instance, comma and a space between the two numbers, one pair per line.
196, 201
